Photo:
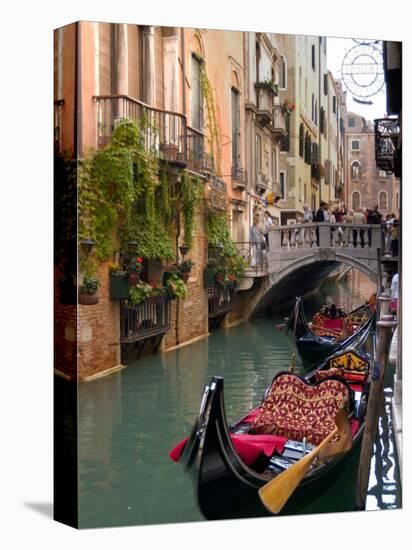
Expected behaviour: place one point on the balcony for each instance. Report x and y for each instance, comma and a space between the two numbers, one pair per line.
263, 183
239, 177
220, 302
255, 257
265, 93
165, 133
197, 159
387, 133
149, 318
278, 128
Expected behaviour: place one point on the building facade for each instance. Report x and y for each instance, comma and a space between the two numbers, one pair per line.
367, 184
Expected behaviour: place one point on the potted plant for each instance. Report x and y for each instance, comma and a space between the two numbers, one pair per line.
184, 269
134, 268
139, 292
288, 107
88, 290
268, 84
176, 287
118, 282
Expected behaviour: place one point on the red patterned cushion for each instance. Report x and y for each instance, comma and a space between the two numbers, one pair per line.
295, 409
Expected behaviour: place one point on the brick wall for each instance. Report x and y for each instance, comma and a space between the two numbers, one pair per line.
99, 332
189, 316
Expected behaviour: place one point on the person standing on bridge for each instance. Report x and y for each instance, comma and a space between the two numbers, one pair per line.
359, 218
346, 234
374, 218
308, 218
321, 216
258, 243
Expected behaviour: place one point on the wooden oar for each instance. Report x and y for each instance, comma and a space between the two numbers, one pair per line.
277, 492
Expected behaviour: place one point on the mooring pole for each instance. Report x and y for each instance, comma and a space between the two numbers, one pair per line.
385, 326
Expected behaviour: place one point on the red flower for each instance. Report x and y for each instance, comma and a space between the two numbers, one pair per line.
139, 260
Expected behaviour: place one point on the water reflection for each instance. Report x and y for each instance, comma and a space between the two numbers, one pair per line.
128, 422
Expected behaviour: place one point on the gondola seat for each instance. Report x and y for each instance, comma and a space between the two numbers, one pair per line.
296, 409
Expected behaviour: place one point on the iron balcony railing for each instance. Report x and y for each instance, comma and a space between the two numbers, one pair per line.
220, 300
148, 318
255, 255
164, 132
197, 159
239, 175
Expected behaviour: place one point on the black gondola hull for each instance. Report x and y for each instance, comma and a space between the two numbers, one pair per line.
312, 348
226, 488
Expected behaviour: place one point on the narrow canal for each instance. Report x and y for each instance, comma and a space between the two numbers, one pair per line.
129, 421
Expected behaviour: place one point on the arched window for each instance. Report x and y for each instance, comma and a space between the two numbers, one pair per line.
383, 200
355, 170
355, 200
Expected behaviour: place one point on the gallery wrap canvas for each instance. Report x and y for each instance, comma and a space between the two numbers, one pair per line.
227, 274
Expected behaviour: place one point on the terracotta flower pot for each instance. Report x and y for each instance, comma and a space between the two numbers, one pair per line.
87, 299
133, 278
185, 276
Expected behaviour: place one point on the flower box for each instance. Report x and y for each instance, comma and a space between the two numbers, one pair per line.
87, 299
118, 287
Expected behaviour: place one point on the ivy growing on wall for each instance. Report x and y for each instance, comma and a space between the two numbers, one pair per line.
124, 194
212, 122
218, 234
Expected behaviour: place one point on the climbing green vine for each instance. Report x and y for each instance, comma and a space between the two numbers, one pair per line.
191, 192
124, 194
218, 234
212, 122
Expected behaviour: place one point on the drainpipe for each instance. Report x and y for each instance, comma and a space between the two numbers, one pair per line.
77, 141
184, 71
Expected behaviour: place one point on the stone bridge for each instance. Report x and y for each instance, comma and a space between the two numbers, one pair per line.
300, 256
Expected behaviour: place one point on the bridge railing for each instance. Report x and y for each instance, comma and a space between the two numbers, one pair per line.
325, 235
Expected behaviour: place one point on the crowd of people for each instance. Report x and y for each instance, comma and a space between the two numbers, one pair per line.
340, 235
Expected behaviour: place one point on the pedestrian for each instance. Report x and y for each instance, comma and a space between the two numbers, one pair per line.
268, 223
347, 231
374, 217
321, 216
359, 218
258, 243
394, 236
388, 224
332, 219
307, 214
308, 231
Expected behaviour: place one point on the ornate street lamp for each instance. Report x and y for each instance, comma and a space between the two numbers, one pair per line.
183, 250
132, 246
86, 246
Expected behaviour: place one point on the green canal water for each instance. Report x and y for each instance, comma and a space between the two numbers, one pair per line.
129, 421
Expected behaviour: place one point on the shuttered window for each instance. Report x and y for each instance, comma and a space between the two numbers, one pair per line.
301, 140
196, 94
235, 127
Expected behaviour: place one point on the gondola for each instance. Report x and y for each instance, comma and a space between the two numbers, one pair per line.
228, 470
317, 340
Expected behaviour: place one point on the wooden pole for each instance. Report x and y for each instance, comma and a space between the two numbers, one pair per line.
372, 415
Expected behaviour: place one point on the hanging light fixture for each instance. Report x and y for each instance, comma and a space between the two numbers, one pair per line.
86, 246
183, 250
132, 246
